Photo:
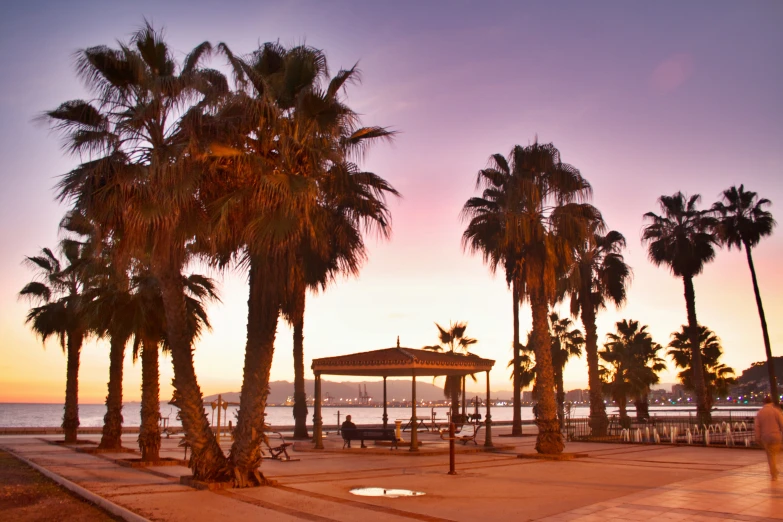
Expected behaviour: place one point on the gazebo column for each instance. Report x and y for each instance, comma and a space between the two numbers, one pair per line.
414, 427
317, 419
464, 398
385, 414
488, 431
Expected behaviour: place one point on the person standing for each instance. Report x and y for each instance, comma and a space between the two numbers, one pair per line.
769, 433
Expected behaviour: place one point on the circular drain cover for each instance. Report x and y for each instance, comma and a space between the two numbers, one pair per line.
389, 493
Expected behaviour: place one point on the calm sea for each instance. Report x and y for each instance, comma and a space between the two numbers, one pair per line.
91, 415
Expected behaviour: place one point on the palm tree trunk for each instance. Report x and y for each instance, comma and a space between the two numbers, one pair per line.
300, 396
452, 390
112, 421
149, 434
598, 419
207, 461
560, 386
622, 409
71, 412
263, 311
516, 425
550, 440
642, 406
702, 409
773, 383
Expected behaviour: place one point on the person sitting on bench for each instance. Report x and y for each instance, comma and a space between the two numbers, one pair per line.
347, 425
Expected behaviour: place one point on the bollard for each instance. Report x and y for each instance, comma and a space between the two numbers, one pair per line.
452, 460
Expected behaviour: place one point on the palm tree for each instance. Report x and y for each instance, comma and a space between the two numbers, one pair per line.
567, 342
141, 184
682, 239
490, 231
718, 377
320, 264
59, 292
599, 274
107, 311
109, 314
453, 341
149, 330
148, 319
287, 148
526, 369
632, 366
742, 223
552, 218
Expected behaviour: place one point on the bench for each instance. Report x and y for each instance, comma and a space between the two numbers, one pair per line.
460, 436
277, 450
465, 438
362, 434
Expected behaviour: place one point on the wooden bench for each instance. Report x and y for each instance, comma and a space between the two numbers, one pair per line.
362, 434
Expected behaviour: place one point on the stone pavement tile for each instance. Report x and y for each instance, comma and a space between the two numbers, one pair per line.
344, 510
772, 508
668, 516
194, 505
591, 518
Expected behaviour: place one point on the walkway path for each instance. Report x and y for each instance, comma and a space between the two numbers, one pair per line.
620, 482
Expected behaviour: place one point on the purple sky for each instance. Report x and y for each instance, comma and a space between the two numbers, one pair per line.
645, 99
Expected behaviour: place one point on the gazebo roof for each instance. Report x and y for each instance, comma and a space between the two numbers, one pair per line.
402, 362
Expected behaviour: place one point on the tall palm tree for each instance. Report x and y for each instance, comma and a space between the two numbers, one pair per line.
632, 366
149, 330
718, 377
290, 148
109, 315
344, 253
142, 184
552, 218
107, 311
682, 238
491, 219
599, 274
453, 341
59, 291
567, 342
742, 223
148, 319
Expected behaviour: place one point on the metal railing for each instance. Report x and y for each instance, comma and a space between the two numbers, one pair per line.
730, 429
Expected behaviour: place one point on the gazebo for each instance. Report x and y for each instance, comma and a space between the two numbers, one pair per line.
398, 362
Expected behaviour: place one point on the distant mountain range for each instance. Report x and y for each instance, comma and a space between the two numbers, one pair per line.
279, 391
425, 390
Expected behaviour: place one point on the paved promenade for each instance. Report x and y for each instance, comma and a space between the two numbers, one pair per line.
617, 482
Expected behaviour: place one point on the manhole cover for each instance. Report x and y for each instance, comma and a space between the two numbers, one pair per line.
389, 493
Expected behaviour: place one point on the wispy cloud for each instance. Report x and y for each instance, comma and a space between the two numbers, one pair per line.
672, 72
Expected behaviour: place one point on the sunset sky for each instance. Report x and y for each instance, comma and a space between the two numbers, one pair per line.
644, 98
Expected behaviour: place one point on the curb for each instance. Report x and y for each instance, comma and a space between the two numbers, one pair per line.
86, 494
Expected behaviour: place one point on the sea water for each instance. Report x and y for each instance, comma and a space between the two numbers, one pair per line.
17, 415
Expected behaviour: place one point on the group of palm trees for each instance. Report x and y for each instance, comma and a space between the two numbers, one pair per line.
534, 220
178, 164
